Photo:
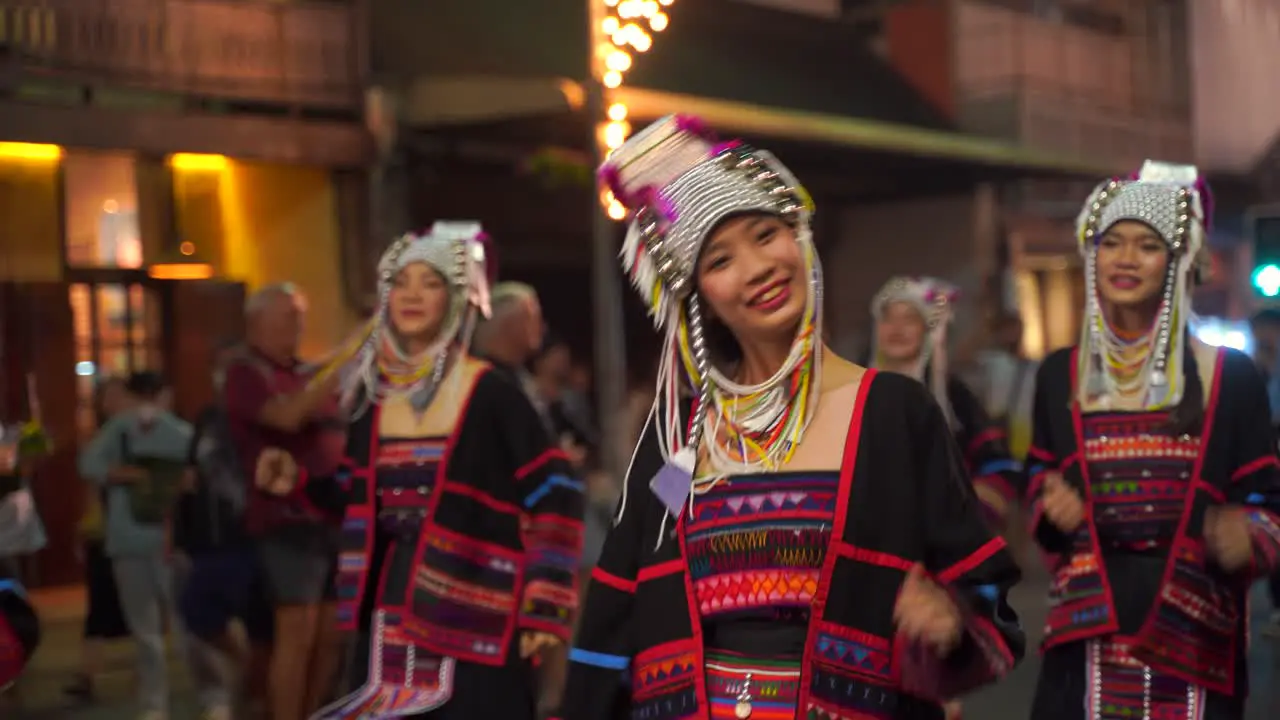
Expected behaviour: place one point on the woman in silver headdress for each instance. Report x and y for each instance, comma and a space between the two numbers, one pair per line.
1153, 482
912, 317
799, 540
461, 524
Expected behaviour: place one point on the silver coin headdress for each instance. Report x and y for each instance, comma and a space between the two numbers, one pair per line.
678, 184
1174, 201
458, 251
935, 300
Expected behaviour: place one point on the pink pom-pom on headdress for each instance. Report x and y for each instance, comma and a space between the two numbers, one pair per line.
637, 172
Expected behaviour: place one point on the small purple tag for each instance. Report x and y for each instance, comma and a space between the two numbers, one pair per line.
672, 485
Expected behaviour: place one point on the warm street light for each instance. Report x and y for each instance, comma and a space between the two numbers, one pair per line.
623, 29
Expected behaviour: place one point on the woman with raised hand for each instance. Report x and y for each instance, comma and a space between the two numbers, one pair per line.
461, 522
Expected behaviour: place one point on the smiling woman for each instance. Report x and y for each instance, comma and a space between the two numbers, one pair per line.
1153, 475
797, 540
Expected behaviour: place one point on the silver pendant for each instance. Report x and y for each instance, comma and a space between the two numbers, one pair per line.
1158, 378
742, 710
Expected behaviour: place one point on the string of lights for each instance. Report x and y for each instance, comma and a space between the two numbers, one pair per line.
627, 29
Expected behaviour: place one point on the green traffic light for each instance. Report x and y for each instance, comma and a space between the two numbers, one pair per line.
1266, 278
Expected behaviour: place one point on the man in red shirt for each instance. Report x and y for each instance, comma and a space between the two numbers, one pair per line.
272, 402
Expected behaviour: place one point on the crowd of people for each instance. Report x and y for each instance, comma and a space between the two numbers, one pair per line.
405, 528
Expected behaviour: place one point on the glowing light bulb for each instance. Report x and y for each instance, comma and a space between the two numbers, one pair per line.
615, 133
665, 3
611, 3
619, 61
658, 22
642, 42
648, 8
617, 211
609, 25
628, 9
612, 79
617, 112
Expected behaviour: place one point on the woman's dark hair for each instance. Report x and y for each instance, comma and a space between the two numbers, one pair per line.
146, 385
1187, 417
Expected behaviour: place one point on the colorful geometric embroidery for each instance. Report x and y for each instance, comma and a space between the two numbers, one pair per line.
469, 619
836, 695
403, 679
858, 651
664, 684
756, 543
771, 687
1122, 688
1139, 478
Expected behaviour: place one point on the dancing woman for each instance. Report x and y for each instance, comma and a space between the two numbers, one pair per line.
1153, 476
801, 541
462, 527
912, 316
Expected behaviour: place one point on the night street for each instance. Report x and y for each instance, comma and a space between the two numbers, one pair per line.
1008, 701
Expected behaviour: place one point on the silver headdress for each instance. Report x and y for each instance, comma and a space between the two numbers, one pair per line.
679, 184
458, 251
935, 300
1174, 201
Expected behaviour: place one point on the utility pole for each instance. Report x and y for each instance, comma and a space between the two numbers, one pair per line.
606, 285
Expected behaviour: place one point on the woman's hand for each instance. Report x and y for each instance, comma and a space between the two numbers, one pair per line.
277, 472
1062, 504
1226, 532
926, 614
533, 642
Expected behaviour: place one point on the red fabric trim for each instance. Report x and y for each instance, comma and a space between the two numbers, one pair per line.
533, 465
848, 464
662, 569
1077, 428
613, 581
1043, 456
870, 557
482, 497
1254, 466
986, 436
976, 558
695, 618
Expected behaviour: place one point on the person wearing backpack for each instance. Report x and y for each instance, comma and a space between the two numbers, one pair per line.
217, 574
137, 458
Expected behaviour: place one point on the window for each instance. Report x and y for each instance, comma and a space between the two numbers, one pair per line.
117, 332
101, 210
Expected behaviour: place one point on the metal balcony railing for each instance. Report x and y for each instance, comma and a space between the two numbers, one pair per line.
292, 53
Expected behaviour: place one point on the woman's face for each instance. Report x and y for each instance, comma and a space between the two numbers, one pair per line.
115, 398
1132, 263
900, 332
752, 277
418, 303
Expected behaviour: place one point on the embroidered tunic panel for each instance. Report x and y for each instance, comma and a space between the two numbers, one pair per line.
1140, 474
1139, 564
497, 549
757, 542
901, 498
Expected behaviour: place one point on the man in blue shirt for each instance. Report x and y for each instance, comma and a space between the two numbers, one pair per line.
147, 434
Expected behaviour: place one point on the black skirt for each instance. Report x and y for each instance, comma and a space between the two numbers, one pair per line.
104, 619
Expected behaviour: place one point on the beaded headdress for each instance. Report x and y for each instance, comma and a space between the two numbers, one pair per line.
935, 300
678, 184
458, 251
1174, 201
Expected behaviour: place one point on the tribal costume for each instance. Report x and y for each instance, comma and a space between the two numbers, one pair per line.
1142, 622
751, 589
983, 442
461, 524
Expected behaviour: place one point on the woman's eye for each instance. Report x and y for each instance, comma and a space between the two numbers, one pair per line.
716, 263
766, 235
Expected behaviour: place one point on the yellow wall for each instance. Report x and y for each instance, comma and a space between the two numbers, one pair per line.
276, 223
30, 226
